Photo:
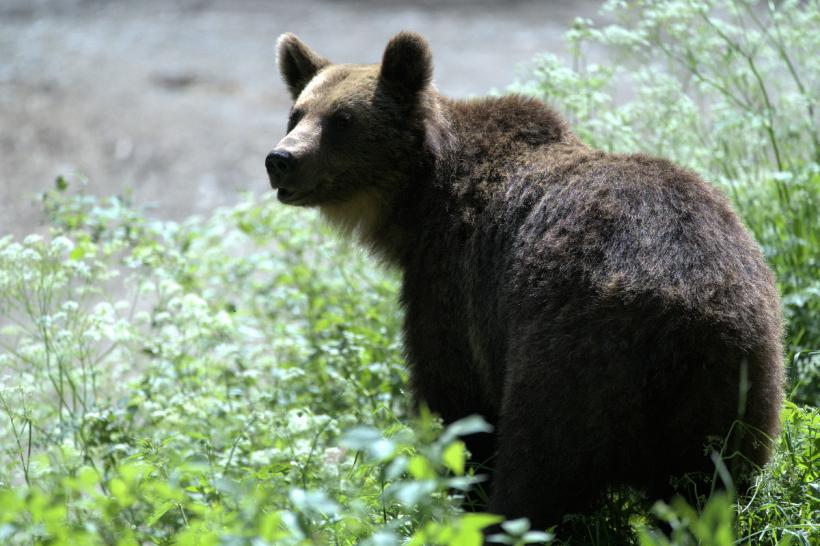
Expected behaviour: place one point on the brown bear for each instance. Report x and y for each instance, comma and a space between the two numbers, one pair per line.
608, 314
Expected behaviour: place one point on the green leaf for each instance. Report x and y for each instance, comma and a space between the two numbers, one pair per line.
454, 457
159, 511
480, 520
420, 468
369, 440
516, 527
469, 425
119, 490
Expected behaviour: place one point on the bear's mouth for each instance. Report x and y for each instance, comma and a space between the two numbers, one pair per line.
292, 197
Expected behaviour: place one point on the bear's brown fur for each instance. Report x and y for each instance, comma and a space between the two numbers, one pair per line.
609, 314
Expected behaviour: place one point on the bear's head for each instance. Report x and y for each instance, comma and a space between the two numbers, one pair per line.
355, 132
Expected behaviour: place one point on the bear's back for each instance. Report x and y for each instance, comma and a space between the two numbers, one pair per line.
632, 228
627, 227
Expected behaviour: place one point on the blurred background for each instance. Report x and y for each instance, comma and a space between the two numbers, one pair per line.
178, 102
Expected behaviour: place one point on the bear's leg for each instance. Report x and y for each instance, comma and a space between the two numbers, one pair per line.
572, 423
552, 454
726, 403
541, 477
454, 402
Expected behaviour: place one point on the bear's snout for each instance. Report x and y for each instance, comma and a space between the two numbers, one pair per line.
290, 184
278, 164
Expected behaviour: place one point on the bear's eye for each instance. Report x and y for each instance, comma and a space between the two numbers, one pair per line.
340, 119
294, 118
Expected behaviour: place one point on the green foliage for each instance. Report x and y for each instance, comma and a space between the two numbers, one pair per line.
238, 379
208, 404
781, 508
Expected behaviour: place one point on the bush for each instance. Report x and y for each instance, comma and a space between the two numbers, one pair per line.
209, 402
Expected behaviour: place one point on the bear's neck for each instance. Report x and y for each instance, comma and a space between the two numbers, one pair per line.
470, 146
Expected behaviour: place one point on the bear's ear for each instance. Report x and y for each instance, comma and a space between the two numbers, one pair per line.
297, 62
407, 63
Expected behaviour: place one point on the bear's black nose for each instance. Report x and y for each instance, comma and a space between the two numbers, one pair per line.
279, 162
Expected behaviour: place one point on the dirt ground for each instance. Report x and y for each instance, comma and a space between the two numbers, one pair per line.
178, 102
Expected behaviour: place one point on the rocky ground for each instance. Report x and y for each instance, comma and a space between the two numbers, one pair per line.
178, 102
